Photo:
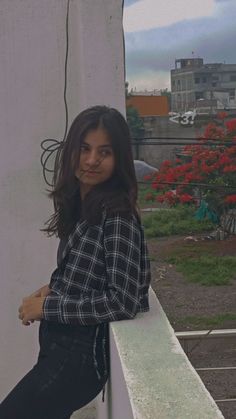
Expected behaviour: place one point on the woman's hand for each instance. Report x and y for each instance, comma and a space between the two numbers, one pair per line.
41, 292
31, 309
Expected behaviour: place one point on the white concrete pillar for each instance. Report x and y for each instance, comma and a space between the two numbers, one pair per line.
101, 56
32, 51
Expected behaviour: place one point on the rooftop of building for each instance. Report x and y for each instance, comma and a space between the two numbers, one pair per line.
197, 65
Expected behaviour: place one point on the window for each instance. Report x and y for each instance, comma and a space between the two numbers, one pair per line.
233, 77
204, 80
197, 80
232, 94
198, 95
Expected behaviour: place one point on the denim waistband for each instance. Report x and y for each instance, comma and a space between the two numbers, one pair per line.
76, 331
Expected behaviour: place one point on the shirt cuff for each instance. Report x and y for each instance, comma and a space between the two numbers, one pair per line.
52, 309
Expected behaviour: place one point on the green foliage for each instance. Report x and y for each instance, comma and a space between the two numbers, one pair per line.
167, 93
174, 221
207, 269
135, 122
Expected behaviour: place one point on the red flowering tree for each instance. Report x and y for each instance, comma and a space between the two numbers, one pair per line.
207, 163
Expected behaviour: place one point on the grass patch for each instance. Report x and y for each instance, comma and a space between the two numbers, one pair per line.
174, 221
201, 321
207, 269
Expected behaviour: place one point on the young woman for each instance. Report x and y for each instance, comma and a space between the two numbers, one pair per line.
103, 271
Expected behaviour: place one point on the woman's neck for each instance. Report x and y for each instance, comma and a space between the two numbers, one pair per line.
84, 189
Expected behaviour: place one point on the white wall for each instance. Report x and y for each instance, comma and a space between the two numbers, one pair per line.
32, 50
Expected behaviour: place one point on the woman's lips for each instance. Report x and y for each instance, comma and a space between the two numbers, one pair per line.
91, 173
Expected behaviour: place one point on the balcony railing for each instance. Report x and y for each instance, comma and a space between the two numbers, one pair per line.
151, 377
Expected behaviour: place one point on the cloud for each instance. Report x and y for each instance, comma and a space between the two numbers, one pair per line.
148, 14
130, 2
151, 54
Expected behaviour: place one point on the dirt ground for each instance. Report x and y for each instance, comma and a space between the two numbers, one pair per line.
181, 299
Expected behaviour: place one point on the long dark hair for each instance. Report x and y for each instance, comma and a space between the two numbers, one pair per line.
117, 194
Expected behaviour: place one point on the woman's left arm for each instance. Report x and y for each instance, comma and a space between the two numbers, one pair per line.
122, 249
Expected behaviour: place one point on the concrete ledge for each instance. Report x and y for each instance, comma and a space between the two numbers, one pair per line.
154, 378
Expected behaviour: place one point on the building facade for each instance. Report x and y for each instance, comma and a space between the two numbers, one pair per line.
147, 105
206, 87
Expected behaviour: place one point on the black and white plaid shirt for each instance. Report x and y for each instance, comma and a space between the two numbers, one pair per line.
103, 275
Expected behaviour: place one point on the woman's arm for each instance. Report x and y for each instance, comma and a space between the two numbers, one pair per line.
122, 247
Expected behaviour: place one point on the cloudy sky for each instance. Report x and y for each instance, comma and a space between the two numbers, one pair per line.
159, 31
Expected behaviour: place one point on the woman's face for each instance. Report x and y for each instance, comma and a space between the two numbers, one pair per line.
97, 160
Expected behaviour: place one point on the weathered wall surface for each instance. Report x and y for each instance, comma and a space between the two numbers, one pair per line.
31, 109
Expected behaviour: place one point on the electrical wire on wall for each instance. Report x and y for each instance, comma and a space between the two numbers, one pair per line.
50, 145
123, 35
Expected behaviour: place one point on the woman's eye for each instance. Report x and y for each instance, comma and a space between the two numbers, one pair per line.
105, 153
83, 148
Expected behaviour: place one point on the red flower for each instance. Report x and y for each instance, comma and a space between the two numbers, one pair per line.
207, 169
229, 169
225, 159
160, 198
170, 177
221, 115
231, 150
231, 126
149, 196
215, 165
147, 177
185, 198
213, 132
230, 199
170, 197
192, 177
167, 163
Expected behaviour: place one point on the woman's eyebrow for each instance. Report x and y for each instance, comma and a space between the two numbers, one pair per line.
101, 146
105, 146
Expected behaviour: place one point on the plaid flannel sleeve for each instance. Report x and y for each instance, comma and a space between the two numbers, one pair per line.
120, 300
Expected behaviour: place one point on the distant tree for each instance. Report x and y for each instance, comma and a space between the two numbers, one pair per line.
135, 122
167, 93
127, 89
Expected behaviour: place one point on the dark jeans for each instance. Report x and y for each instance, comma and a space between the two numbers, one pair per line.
64, 378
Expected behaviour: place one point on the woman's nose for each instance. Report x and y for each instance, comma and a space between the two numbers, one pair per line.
92, 159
